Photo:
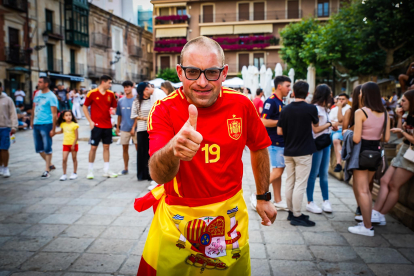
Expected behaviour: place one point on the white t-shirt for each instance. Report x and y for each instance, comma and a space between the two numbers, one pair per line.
323, 119
395, 100
158, 95
76, 98
333, 115
19, 95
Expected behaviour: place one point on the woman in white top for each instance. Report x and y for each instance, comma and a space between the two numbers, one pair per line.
76, 109
140, 111
320, 159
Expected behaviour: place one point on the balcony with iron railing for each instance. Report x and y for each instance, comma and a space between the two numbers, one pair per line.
19, 5
54, 31
97, 72
101, 40
170, 45
250, 16
77, 69
17, 55
54, 65
171, 19
135, 51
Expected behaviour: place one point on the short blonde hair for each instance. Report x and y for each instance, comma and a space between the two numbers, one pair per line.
204, 41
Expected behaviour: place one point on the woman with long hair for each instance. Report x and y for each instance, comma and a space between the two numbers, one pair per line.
349, 117
368, 130
320, 159
401, 169
167, 87
140, 111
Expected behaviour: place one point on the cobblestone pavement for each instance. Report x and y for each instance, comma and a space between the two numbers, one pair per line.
89, 227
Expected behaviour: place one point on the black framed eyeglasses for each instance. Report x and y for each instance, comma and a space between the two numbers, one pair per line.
211, 74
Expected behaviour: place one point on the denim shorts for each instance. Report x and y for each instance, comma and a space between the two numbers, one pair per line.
277, 159
5, 138
337, 135
42, 139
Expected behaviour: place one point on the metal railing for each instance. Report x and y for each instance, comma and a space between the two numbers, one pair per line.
54, 30
17, 55
135, 51
77, 69
54, 65
250, 16
97, 72
19, 5
101, 40
325, 11
160, 21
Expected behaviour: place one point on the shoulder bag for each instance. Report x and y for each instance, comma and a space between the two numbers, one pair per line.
409, 154
372, 158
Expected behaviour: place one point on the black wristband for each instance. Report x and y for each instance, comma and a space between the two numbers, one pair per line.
266, 196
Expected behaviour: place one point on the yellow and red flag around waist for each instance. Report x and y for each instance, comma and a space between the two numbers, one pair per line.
189, 237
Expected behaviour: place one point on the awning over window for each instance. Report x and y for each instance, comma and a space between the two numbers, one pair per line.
18, 69
171, 32
216, 30
253, 29
60, 76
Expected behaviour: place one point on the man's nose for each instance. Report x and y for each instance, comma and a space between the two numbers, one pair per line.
202, 81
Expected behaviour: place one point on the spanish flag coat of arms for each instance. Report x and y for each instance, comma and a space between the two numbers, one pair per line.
200, 226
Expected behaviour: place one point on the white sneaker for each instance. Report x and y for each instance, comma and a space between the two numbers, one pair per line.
73, 176
361, 230
382, 220
326, 206
110, 174
313, 208
1, 170
281, 205
90, 174
6, 172
63, 177
375, 218
253, 201
152, 186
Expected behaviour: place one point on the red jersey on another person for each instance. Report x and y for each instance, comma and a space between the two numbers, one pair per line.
100, 107
258, 103
227, 126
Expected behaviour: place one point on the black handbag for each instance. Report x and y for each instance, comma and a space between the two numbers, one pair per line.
323, 141
372, 158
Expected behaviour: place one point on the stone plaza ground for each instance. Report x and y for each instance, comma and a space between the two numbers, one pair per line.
89, 227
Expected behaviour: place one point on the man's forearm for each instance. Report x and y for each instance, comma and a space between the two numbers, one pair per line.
163, 165
269, 122
261, 170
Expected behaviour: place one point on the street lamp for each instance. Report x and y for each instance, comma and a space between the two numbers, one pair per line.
45, 36
117, 58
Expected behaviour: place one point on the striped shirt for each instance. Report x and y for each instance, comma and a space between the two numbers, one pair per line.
143, 112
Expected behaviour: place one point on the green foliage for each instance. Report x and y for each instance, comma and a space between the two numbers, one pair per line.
169, 74
356, 40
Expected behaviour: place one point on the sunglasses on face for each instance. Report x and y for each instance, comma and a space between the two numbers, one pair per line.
211, 74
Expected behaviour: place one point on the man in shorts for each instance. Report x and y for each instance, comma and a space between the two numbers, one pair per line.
44, 122
270, 116
126, 126
100, 99
8, 125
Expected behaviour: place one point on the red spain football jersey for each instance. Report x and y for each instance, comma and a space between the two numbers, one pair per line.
100, 107
227, 127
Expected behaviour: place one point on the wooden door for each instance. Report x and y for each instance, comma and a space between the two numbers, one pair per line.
165, 62
208, 14
293, 9
244, 11
259, 12
243, 61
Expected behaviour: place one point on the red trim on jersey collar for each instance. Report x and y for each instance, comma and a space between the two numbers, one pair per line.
277, 97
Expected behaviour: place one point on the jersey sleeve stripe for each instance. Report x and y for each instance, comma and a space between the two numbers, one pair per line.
149, 126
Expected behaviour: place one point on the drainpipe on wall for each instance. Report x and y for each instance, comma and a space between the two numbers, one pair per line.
61, 42
30, 54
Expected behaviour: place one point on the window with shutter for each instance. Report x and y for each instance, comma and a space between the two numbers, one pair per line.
243, 61
244, 11
293, 9
207, 13
323, 8
259, 11
165, 62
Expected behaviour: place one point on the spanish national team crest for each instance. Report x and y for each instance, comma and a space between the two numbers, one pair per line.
234, 126
109, 98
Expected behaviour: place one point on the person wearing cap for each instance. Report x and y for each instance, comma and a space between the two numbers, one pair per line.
101, 100
140, 110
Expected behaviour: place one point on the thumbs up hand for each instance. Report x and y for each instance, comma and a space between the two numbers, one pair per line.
187, 141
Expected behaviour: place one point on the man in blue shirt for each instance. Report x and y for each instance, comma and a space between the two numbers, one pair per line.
270, 116
44, 122
126, 126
